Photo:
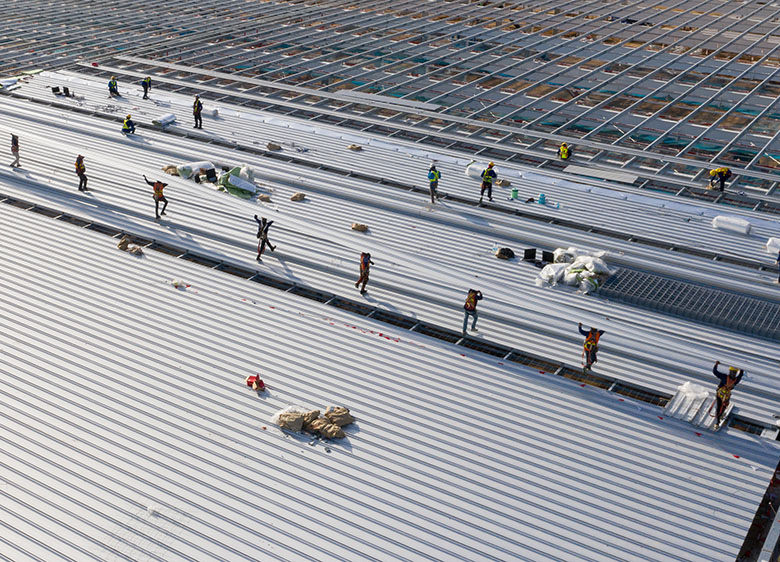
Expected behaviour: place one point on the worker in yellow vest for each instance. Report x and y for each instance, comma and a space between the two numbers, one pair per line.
564, 151
720, 175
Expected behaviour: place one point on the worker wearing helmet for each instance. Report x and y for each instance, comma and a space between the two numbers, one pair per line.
128, 127
488, 175
723, 395
113, 89
720, 175
146, 84
564, 151
197, 107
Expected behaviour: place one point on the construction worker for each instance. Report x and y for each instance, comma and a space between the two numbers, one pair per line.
723, 395
158, 187
15, 151
564, 151
113, 89
470, 307
721, 175
146, 84
488, 175
197, 107
433, 181
778, 266
263, 225
590, 346
81, 172
365, 265
128, 127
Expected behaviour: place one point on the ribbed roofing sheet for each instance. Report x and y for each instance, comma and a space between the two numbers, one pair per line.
128, 433
407, 238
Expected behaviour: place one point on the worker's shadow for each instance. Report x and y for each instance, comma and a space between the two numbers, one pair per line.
385, 305
285, 270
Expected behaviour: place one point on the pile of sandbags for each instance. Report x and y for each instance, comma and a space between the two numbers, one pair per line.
328, 425
773, 245
298, 196
171, 170
355, 147
273, 146
359, 227
503, 182
124, 245
577, 268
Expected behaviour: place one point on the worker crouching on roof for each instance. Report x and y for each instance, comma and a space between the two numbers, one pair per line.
590, 346
128, 127
723, 395
113, 88
720, 175
564, 151
488, 175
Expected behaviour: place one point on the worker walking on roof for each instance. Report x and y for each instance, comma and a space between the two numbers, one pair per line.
723, 395
564, 151
365, 266
433, 181
81, 172
15, 151
470, 308
158, 187
263, 225
488, 175
146, 84
128, 127
197, 107
113, 89
590, 346
720, 175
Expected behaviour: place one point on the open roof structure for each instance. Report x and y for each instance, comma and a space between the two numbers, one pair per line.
128, 432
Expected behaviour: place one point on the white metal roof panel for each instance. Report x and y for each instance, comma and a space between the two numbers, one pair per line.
128, 433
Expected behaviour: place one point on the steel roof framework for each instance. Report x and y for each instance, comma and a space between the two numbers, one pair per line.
676, 89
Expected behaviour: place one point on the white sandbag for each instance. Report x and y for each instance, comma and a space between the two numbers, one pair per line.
773, 245
552, 273
186, 170
164, 120
597, 265
571, 277
589, 285
567, 255
247, 173
731, 224
210, 111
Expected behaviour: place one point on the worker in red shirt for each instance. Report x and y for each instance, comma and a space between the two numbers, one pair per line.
158, 187
365, 266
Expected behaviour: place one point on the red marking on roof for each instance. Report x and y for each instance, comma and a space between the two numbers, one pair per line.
243, 300
735, 456
621, 399
660, 417
582, 385
271, 307
463, 355
542, 372
500, 362
697, 433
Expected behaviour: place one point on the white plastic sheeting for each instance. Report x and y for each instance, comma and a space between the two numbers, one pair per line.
164, 120
732, 224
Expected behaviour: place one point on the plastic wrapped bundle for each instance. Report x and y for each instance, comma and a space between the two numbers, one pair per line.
552, 273
164, 120
732, 224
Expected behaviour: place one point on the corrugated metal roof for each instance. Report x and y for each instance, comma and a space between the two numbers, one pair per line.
128, 433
